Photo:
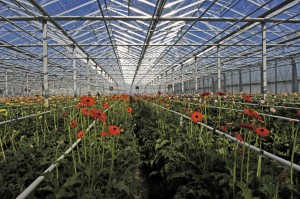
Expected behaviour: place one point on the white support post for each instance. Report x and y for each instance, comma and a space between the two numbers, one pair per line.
276, 78
74, 73
6, 83
27, 85
45, 63
173, 82
166, 82
88, 77
250, 81
264, 59
295, 86
240, 81
196, 75
182, 82
219, 68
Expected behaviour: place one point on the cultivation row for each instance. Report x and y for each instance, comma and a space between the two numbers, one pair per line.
153, 147
94, 169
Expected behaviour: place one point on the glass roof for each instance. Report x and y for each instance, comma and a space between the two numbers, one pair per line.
134, 42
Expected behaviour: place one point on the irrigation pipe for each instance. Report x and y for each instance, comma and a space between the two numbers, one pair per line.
28, 116
254, 148
33, 185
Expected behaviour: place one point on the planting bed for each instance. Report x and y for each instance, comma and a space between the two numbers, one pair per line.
187, 146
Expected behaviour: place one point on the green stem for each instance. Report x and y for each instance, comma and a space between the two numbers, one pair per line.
56, 166
234, 171
112, 165
295, 132
73, 155
3, 153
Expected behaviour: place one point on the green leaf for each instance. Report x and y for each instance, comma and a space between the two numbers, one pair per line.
246, 192
65, 194
72, 181
121, 186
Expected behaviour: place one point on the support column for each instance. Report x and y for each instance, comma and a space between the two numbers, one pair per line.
231, 79
212, 88
88, 72
203, 83
27, 85
276, 78
6, 83
182, 82
173, 82
45, 63
294, 76
166, 82
74, 73
224, 82
219, 68
196, 75
264, 60
240, 81
250, 81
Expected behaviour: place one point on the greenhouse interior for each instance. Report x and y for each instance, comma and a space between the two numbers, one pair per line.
150, 99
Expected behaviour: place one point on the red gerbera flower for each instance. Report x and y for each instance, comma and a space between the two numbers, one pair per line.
247, 98
104, 134
129, 110
115, 130
73, 123
106, 106
220, 93
298, 113
87, 101
248, 126
80, 134
239, 137
262, 131
84, 111
196, 116
97, 114
204, 94
223, 128
65, 114
78, 105
247, 111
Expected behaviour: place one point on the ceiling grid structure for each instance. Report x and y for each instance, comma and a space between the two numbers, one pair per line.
137, 42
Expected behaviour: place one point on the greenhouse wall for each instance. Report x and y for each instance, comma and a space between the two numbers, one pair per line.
248, 79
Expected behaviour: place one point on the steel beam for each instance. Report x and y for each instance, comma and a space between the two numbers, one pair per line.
145, 18
45, 13
45, 63
179, 45
156, 14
